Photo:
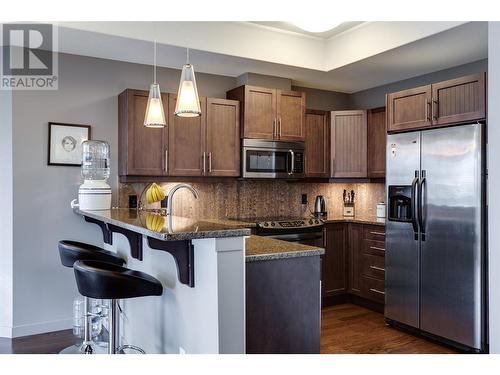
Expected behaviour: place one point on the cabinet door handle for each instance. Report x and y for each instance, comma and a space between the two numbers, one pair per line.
435, 113
427, 105
204, 161
377, 268
279, 122
209, 162
275, 132
376, 248
378, 233
166, 160
377, 291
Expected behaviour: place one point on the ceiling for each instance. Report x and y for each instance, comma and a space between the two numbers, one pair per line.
355, 57
290, 27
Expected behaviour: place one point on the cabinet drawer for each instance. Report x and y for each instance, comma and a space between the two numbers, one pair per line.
373, 266
374, 247
373, 289
374, 232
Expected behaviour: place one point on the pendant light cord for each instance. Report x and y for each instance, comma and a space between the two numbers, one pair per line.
154, 62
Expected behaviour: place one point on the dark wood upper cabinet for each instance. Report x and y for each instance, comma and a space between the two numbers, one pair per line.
444, 103
223, 137
208, 145
348, 144
409, 109
142, 151
334, 276
291, 108
317, 144
186, 141
459, 100
258, 111
377, 135
270, 113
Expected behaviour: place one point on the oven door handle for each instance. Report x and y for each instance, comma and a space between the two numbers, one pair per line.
292, 161
298, 237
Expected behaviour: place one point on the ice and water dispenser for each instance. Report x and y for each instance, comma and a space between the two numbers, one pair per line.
400, 203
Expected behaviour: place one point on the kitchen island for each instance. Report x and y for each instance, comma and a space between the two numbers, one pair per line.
201, 265
224, 290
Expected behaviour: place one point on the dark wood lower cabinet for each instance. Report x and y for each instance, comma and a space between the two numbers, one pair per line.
354, 260
334, 280
283, 306
353, 266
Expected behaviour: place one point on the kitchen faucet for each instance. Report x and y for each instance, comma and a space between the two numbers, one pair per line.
171, 195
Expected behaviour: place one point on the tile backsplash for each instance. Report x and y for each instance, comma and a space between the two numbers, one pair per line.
261, 198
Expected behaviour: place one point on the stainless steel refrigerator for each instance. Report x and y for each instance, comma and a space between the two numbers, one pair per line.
435, 258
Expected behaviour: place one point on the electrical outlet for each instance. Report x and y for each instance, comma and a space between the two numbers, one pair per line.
304, 199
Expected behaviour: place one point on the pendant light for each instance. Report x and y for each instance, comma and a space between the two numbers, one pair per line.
188, 102
155, 117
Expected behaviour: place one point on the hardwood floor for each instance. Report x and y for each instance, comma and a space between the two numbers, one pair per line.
346, 329
46, 343
351, 329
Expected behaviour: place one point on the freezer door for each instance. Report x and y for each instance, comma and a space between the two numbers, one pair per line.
451, 254
402, 249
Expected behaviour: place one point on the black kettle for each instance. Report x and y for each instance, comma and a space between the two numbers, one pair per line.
319, 207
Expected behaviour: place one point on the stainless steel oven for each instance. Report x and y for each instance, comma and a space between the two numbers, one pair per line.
272, 159
306, 231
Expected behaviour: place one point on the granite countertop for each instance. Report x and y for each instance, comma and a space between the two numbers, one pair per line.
362, 219
233, 223
259, 248
167, 228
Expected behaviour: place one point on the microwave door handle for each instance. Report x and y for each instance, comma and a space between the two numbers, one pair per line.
292, 161
414, 222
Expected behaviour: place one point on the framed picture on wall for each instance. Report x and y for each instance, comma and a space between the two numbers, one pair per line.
65, 143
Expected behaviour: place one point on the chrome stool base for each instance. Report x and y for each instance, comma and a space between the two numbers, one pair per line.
99, 347
121, 349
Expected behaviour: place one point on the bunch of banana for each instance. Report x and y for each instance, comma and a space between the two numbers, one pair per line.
155, 193
155, 222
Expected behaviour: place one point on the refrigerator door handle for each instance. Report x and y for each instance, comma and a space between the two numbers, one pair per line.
414, 222
421, 221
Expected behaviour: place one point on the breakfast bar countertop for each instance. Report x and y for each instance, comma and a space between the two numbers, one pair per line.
259, 248
166, 228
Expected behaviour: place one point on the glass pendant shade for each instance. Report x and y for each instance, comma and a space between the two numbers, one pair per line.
155, 117
188, 102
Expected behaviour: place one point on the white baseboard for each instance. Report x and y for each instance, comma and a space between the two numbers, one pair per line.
5, 332
43, 327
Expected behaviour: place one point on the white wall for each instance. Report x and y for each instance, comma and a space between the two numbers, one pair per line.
6, 281
88, 94
493, 184
206, 319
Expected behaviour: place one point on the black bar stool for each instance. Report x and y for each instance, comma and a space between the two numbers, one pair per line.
70, 252
110, 281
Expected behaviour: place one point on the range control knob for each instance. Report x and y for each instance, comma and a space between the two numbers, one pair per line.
316, 221
310, 221
273, 223
266, 224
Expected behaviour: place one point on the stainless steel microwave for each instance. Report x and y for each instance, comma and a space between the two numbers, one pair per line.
272, 159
